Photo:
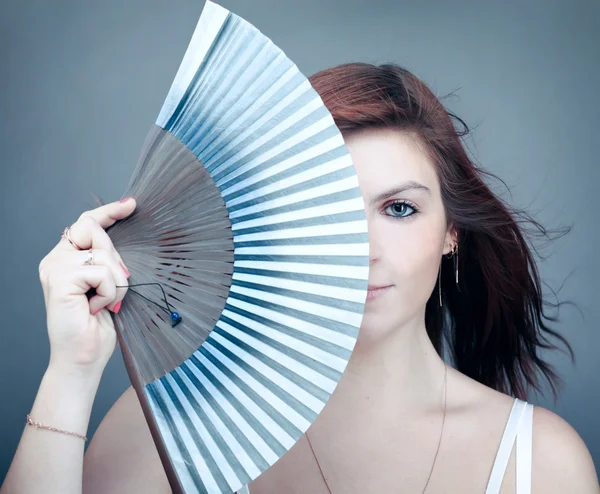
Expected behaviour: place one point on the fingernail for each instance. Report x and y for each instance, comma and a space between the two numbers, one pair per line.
97, 312
117, 307
126, 199
127, 273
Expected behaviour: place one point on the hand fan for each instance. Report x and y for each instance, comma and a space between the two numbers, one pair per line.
249, 249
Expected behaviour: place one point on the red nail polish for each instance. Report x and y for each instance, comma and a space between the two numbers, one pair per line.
117, 308
127, 273
97, 312
126, 199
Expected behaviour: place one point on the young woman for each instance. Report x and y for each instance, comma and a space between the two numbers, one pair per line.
449, 268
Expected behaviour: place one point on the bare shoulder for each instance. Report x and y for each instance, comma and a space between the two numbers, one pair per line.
561, 460
122, 457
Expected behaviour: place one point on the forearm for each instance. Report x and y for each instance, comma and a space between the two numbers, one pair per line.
51, 462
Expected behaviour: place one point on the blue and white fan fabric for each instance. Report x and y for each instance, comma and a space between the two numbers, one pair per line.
250, 218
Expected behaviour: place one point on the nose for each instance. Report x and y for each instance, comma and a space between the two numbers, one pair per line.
374, 248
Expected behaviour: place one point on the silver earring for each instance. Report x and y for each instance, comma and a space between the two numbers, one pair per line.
455, 253
440, 283
452, 253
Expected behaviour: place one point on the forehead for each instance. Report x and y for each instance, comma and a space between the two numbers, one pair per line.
386, 157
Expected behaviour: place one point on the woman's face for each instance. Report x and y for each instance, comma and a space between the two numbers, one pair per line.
407, 228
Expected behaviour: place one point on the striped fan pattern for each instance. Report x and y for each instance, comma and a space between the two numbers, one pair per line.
250, 217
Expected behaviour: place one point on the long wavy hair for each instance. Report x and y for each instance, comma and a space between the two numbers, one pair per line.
494, 323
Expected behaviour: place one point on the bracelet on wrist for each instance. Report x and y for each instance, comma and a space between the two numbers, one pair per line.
38, 425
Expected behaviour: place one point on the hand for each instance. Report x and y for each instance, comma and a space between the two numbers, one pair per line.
81, 331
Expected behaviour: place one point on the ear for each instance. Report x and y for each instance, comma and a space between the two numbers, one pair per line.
449, 239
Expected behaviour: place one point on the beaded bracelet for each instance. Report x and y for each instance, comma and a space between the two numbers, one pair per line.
42, 426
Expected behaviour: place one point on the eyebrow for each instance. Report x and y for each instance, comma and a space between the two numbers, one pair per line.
399, 188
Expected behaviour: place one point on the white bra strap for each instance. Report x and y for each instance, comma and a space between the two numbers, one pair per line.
524, 449
506, 446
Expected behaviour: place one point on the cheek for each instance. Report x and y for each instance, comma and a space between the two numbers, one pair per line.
413, 255
408, 256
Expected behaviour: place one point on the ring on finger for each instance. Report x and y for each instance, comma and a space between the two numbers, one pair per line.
67, 234
90, 259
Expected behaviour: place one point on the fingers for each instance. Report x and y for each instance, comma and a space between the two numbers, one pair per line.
88, 231
105, 275
65, 264
107, 293
108, 214
100, 278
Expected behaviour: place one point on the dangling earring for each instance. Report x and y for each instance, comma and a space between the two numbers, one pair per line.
455, 252
440, 283
452, 253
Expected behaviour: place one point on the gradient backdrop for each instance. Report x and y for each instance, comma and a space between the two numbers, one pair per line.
82, 82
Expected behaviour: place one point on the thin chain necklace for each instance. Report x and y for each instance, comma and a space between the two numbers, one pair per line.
436, 451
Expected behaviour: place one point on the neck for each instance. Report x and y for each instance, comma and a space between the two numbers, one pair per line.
399, 376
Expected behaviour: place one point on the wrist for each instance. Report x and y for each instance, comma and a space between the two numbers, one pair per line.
65, 398
72, 384
75, 375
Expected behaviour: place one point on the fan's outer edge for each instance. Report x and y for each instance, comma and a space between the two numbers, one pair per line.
138, 385
203, 37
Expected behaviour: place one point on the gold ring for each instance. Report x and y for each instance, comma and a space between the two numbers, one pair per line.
66, 234
90, 259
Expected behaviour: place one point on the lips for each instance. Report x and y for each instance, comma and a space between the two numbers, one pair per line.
377, 287
376, 291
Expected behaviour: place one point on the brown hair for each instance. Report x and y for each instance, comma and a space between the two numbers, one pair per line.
494, 326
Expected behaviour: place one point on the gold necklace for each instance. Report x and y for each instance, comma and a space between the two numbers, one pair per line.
436, 451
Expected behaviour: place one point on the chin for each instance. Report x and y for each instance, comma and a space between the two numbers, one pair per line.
376, 326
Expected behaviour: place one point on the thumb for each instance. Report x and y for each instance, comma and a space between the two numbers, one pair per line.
124, 208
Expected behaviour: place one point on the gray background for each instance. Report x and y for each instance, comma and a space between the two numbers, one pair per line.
82, 82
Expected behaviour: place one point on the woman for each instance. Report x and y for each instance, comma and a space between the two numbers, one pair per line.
400, 419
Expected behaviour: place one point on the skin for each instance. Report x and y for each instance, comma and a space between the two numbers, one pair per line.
380, 429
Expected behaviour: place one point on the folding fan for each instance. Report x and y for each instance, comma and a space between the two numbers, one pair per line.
250, 227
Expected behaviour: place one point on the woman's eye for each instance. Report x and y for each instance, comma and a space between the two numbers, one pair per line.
399, 210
